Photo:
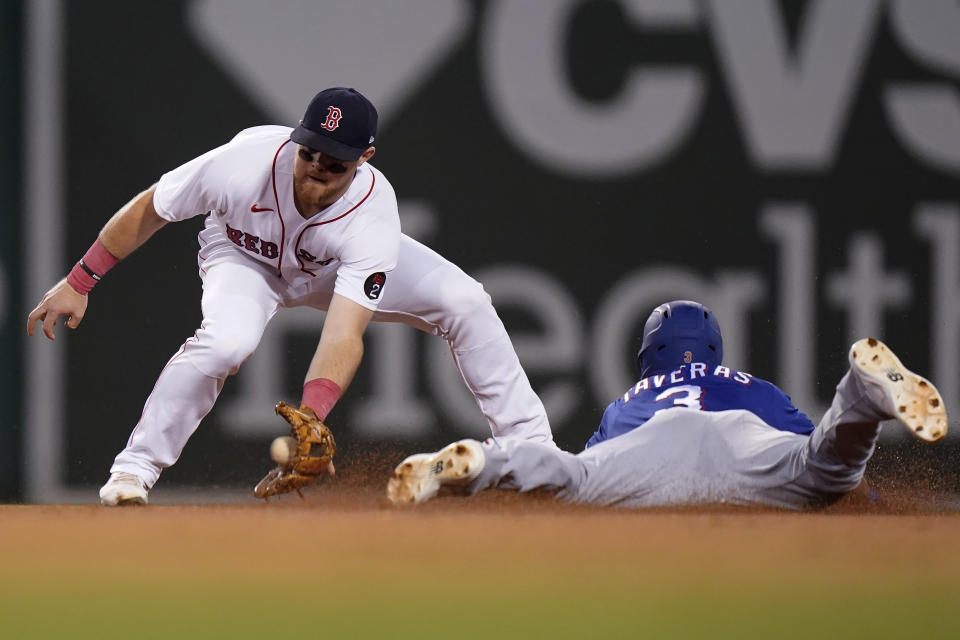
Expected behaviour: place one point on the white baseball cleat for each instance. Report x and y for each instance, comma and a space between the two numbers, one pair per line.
420, 476
897, 391
123, 489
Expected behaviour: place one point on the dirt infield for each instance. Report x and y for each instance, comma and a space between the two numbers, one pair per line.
342, 563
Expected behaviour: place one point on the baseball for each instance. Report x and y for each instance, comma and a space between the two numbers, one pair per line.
283, 449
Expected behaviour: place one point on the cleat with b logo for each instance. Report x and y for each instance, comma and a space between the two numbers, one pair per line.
898, 392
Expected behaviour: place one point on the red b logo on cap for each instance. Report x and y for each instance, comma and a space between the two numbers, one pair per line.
333, 119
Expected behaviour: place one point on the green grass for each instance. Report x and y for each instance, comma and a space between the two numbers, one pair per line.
310, 606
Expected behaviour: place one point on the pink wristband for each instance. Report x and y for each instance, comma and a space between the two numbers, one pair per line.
320, 394
90, 268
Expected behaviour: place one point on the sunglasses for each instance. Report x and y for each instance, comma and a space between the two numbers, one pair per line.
333, 167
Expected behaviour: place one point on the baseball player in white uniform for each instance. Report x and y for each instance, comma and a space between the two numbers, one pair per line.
295, 217
693, 431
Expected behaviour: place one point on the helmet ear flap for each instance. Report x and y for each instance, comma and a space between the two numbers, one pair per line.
651, 331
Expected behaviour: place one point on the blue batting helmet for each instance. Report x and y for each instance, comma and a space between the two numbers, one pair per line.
677, 333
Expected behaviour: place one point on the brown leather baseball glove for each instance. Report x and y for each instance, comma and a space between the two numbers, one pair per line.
314, 453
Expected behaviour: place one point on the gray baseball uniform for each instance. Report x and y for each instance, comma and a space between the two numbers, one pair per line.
688, 456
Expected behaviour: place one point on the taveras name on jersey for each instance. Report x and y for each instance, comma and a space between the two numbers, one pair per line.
685, 373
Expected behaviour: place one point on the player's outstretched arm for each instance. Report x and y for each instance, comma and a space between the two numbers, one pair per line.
132, 225
337, 357
341, 344
127, 230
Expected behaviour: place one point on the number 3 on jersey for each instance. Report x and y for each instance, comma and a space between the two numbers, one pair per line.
686, 395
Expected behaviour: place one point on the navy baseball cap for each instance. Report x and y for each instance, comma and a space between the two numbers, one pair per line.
339, 122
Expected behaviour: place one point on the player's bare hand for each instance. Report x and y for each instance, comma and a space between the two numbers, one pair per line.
61, 300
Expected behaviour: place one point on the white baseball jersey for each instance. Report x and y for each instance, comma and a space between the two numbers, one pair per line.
247, 187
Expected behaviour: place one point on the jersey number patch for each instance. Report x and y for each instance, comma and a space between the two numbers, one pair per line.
374, 284
686, 395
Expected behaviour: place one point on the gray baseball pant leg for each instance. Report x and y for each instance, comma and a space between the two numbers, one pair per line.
678, 457
525, 465
841, 445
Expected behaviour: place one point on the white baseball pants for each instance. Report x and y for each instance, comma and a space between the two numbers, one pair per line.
240, 296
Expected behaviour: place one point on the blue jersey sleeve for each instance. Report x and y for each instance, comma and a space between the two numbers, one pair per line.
607, 426
775, 408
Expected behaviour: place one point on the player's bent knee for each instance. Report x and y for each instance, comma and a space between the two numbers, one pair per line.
839, 480
467, 299
847, 482
222, 356
472, 318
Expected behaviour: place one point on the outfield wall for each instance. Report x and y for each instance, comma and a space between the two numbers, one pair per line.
793, 165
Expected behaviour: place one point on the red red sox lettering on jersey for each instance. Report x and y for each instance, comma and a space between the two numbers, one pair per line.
305, 256
252, 243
